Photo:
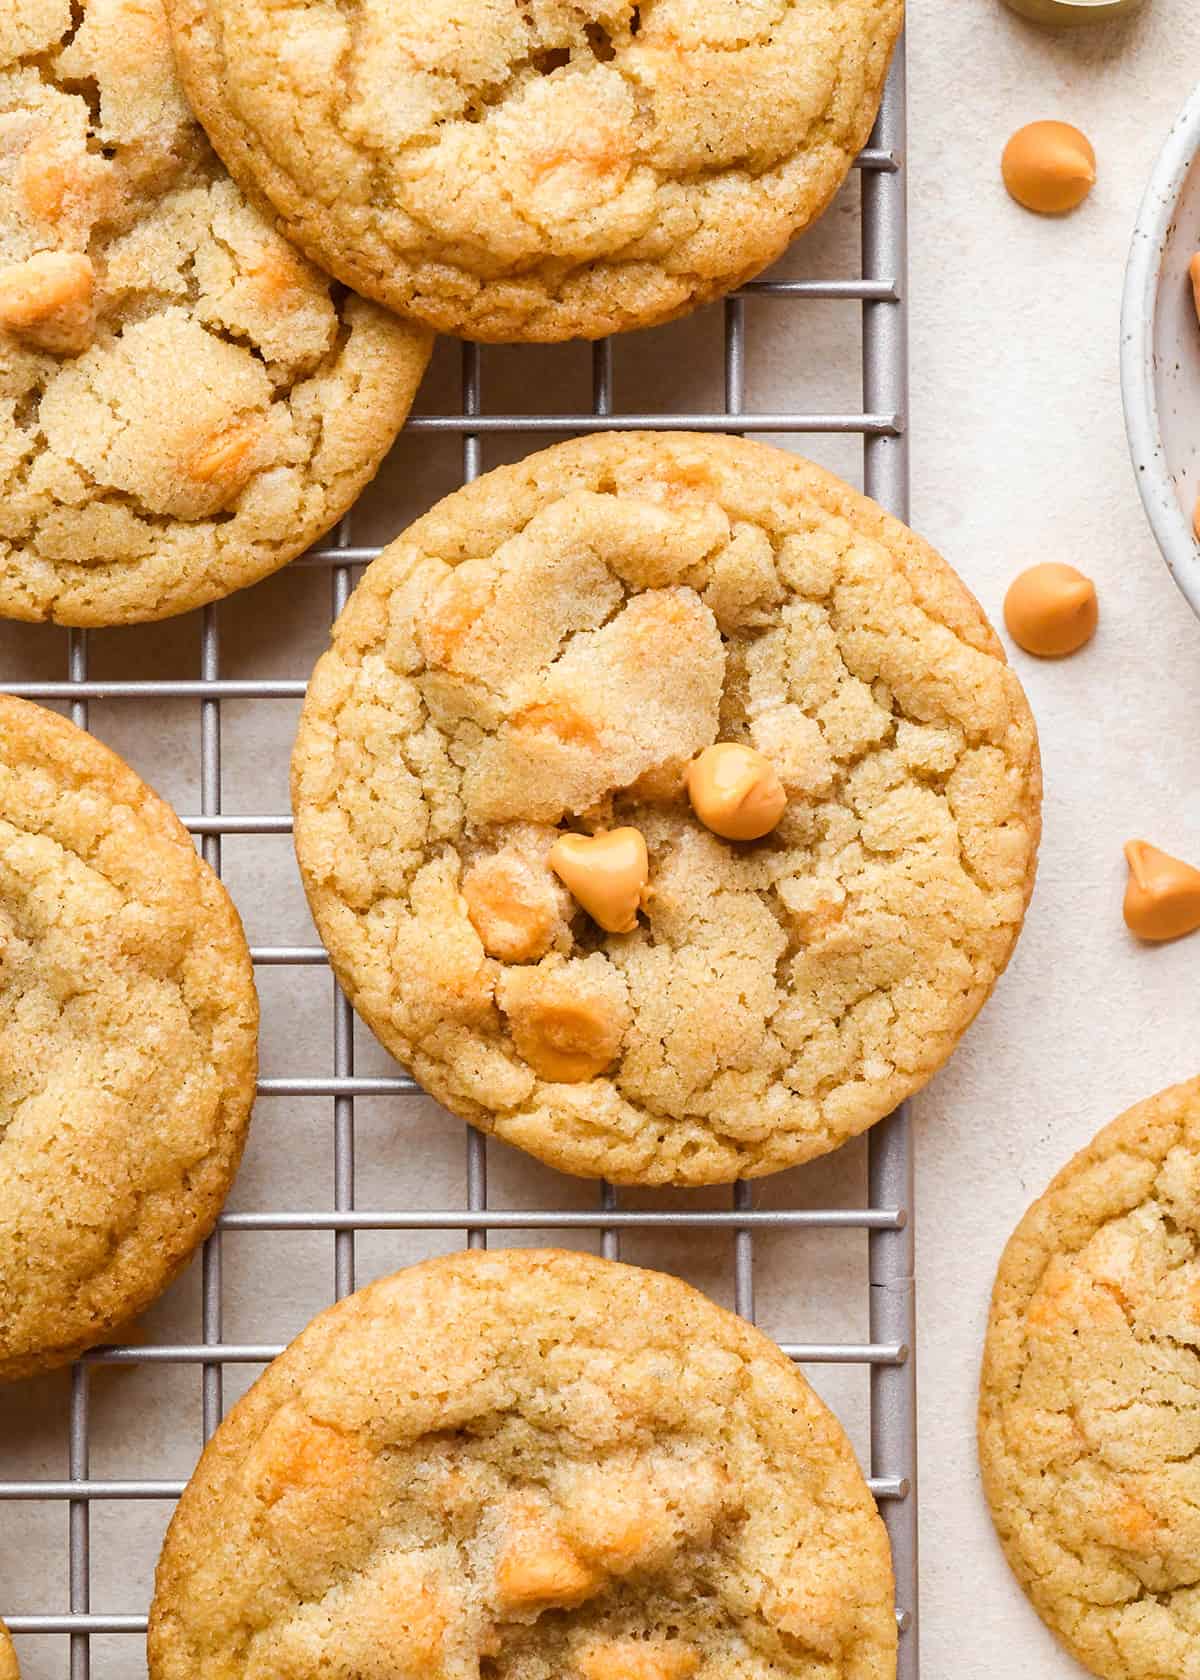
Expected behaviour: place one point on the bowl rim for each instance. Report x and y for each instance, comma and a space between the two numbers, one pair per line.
1139, 308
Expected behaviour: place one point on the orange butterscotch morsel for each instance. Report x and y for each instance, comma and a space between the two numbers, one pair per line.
298, 1454
567, 1018
638, 1659
735, 791
228, 459
1049, 167
566, 1042
1051, 610
49, 301
537, 1568
455, 608
515, 923
606, 873
1162, 899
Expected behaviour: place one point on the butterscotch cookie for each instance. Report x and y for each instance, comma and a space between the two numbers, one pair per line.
529, 1464
185, 403
540, 171
1089, 1411
128, 1020
546, 651
8, 1657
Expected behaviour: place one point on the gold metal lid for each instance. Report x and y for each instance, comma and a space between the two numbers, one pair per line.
1073, 11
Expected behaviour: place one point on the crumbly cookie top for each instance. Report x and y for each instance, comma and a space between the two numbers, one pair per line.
1089, 1415
546, 650
185, 402
539, 170
127, 1041
527, 1466
8, 1657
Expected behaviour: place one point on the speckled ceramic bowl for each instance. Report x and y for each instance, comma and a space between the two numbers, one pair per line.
1160, 350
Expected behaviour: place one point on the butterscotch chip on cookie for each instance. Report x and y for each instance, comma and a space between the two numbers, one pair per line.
185, 402
128, 1023
1089, 1408
568, 168
526, 1463
8, 1657
545, 653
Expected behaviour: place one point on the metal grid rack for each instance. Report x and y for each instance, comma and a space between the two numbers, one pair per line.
887, 1216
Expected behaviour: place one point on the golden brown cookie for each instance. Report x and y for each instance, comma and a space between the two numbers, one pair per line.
128, 1021
545, 170
185, 403
546, 651
534, 1464
1089, 1412
8, 1657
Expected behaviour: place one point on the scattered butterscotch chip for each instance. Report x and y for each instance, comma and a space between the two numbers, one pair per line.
49, 301
538, 1568
227, 460
1049, 167
734, 791
638, 1659
514, 919
1051, 610
606, 873
1196, 521
1162, 900
567, 1018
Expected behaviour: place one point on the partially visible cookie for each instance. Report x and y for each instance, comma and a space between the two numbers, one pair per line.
185, 402
1089, 1409
128, 1024
555, 170
545, 652
526, 1464
8, 1657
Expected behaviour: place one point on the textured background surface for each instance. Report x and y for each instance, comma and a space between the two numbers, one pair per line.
1019, 455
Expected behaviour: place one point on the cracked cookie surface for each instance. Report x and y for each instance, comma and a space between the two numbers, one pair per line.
541, 170
527, 1465
546, 650
128, 1025
1089, 1414
185, 402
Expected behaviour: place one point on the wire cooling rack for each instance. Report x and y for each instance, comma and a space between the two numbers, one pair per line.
886, 1215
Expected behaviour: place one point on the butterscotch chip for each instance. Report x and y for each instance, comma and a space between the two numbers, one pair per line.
567, 1018
1049, 167
544, 171
735, 791
1051, 610
770, 999
49, 301
512, 905
1162, 895
636, 1659
607, 873
185, 402
536, 1568
1089, 1407
128, 1022
8, 1657
573, 1469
